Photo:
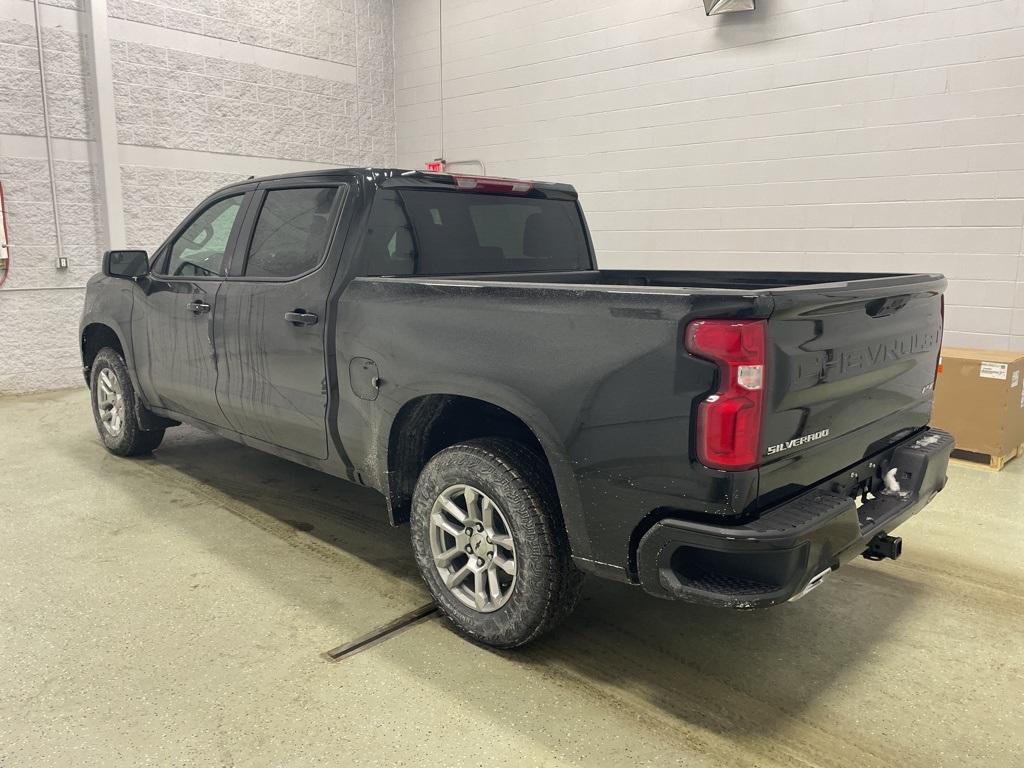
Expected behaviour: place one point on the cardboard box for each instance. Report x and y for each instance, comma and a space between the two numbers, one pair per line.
979, 399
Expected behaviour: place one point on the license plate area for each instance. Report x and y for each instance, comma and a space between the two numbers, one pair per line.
865, 484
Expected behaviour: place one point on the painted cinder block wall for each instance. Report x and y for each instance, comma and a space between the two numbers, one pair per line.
806, 135
864, 134
205, 93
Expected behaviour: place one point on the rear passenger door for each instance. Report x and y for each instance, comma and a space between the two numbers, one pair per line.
271, 315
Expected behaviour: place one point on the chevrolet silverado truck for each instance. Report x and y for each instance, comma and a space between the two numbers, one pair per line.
722, 438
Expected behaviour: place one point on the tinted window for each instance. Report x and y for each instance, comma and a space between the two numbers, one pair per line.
292, 231
388, 248
199, 250
431, 233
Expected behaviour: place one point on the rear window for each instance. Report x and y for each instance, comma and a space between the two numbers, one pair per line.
291, 232
425, 232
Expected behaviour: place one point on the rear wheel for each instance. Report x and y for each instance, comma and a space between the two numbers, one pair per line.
489, 543
114, 407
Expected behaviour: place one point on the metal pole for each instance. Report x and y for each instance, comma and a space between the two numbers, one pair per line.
440, 68
46, 132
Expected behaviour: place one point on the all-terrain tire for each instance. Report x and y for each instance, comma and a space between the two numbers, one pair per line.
547, 583
110, 374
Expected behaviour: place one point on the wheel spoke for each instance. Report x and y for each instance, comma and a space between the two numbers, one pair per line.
492, 583
502, 540
454, 579
479, 589
445, 558
454, 510
507, 565
487, 513
438, 519
472, 503
107, 414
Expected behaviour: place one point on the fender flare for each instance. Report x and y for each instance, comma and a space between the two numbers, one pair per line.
535, 420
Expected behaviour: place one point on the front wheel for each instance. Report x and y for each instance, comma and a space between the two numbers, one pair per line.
114, 407
489, 544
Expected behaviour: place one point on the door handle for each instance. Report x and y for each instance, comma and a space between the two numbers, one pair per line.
197, 307
301, 317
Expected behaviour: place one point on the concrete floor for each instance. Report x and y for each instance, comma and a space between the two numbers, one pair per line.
173, 609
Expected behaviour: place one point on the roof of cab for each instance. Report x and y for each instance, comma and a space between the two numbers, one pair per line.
324, 172
377, 176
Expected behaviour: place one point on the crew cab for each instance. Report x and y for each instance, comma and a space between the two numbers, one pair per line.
716, 437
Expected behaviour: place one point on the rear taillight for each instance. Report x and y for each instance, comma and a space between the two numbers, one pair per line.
729, 421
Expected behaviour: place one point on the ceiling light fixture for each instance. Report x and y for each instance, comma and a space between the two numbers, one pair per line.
715, 7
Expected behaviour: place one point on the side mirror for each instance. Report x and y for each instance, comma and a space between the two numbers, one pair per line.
125, 264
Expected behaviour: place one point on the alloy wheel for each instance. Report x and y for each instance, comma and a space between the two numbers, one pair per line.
110, 402
471, 543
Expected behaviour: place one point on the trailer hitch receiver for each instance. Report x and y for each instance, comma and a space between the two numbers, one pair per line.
884, 546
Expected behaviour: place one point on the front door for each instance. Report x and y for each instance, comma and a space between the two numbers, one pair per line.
271, 316
174, 318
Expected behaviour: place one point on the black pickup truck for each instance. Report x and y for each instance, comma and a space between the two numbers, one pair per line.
723, 438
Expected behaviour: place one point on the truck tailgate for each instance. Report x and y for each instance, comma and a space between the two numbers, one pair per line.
851, 369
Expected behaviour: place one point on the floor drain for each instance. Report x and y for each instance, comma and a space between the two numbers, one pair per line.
382, 633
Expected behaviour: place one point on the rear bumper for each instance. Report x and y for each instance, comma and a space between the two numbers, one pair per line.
790, 548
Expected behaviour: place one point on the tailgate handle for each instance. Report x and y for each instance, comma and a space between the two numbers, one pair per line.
887, 306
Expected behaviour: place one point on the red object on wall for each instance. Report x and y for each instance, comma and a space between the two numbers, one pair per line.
436, 166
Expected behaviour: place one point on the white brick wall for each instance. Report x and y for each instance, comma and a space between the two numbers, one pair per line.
157, 199
321, 29
206, 92
30, 219
21, 106
39, 306
170, 98
864, 134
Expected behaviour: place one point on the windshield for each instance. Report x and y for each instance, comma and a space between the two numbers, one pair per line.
427, 232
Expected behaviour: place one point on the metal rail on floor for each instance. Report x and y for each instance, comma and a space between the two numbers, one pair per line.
382, 633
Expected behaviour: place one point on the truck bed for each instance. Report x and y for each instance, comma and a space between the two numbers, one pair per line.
598, 359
